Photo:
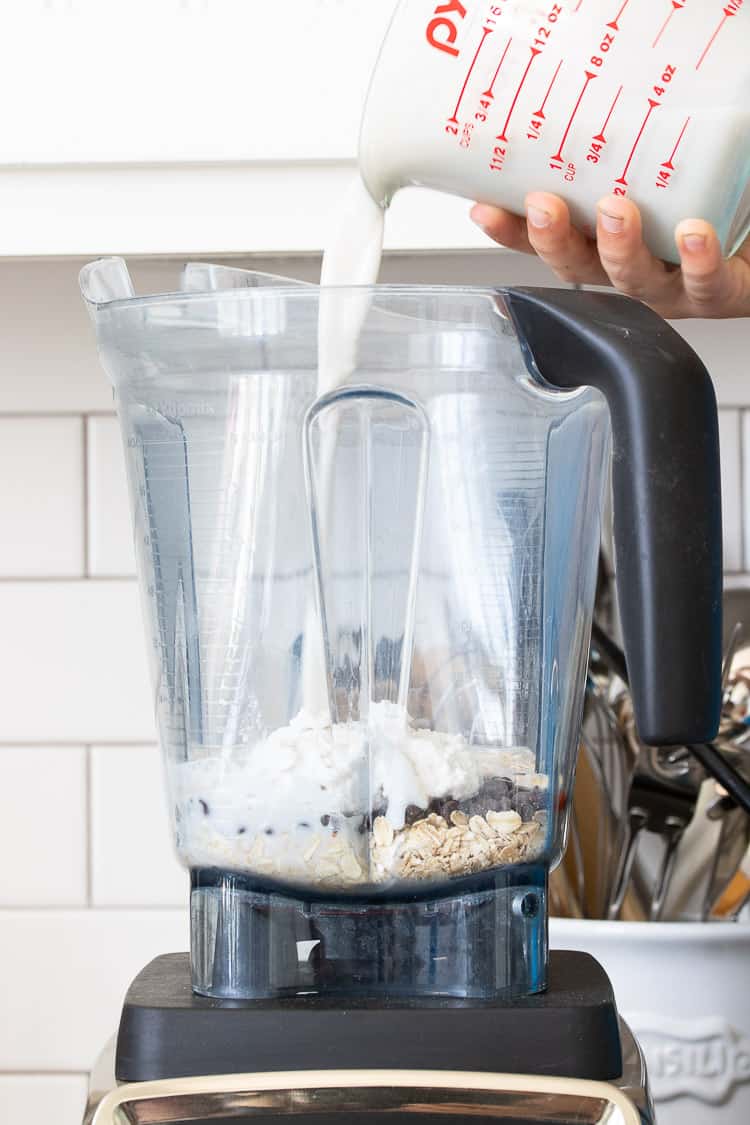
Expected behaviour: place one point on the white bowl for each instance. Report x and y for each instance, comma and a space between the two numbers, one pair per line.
684, 989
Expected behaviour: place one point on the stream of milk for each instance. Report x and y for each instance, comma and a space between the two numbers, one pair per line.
352, 258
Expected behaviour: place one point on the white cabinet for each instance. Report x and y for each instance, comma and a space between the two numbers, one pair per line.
191, 126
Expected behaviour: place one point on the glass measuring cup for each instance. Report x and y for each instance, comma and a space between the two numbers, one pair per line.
644, 98
398, 840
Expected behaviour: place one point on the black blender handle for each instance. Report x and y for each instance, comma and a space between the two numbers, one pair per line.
667, 492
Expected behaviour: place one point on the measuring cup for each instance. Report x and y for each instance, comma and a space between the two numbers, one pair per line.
648, 99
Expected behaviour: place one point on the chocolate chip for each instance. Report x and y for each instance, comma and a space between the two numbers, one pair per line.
443, 806
303, 824
325, 820
413, 812
204, 805
268, 831
241, 831
526, 811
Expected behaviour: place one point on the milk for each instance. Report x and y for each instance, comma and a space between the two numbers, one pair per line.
352, 258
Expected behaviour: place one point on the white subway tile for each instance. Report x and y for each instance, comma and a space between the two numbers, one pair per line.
41, 497
42, 1099
731, 488
49, 357
73, 663
49, 353
43, 826
65, 974
722, 345
133, 860
110, 528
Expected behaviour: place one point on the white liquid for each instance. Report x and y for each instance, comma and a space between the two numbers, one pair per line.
352, 258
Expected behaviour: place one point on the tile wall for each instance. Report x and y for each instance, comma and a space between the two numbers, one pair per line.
89, 889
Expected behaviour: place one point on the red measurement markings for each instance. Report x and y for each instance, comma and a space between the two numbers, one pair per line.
623, 179
600, 135
614, 24
534, 130
490, 93
677, 6
599, 141
535, 52
577, 6
486, 31
540, 112
667, 168
557, 159
536, 48
729, 11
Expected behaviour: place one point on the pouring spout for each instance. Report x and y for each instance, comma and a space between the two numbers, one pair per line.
105, 280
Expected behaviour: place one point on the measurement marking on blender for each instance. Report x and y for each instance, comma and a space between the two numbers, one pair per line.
676, 7
490, 93
486, 31
556, 162
614, 23
667, 168
622, 181
729, 11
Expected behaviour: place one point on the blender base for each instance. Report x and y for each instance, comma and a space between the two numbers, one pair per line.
571, 1030
483, 937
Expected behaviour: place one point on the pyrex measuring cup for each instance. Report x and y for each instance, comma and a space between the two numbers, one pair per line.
644, 98
441, 508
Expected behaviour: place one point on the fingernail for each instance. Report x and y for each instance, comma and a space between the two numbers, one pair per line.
538, 218
481, 215
613, 224
694, 243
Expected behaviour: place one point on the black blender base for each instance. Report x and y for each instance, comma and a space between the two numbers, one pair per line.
571, 1030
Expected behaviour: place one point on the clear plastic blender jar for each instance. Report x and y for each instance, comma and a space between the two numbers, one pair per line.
369, 611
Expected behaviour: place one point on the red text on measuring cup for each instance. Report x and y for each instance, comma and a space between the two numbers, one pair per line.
442, 31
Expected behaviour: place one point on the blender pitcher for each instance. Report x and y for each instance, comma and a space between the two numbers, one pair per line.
369, 610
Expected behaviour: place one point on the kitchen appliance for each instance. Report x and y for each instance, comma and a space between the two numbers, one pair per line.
416, 551
644, 98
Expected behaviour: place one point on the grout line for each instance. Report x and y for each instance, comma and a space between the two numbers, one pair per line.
742, 415
100, 908
86, 498
45, 415
43, 1073
89, 836
51, 579
56, 743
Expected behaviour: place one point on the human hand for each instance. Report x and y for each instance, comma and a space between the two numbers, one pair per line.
704, 285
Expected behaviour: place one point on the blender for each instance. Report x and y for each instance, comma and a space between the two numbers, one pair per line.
368, 615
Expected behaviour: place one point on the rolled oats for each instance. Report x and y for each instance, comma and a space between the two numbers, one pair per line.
382, 830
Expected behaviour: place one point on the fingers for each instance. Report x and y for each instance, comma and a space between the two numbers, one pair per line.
713, 286
567, 251
629, 264
503, 227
